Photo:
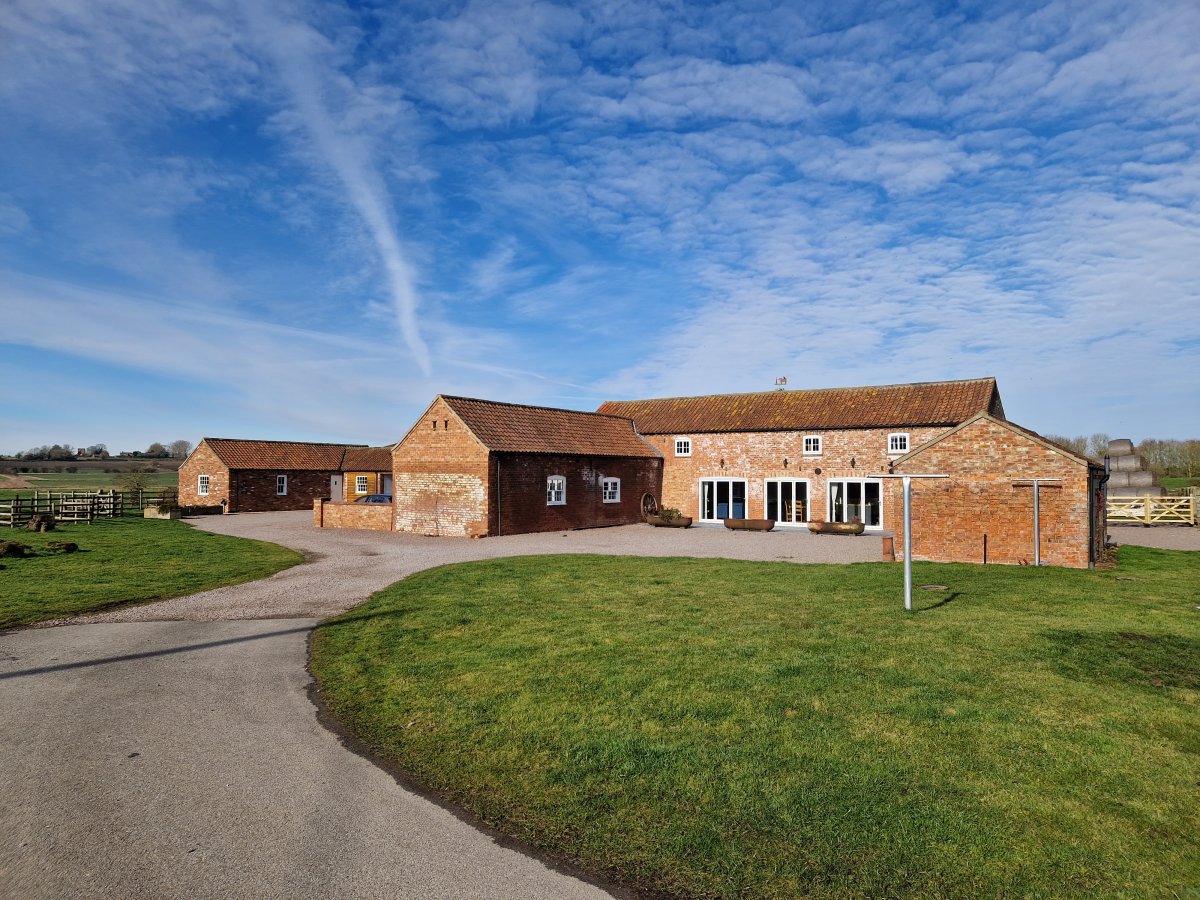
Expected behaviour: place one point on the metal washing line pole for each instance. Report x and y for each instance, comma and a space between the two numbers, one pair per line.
1037, 524
907, 481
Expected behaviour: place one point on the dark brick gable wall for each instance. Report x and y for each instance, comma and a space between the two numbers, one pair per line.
518, 491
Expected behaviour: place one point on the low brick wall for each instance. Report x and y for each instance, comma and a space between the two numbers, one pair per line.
336, 514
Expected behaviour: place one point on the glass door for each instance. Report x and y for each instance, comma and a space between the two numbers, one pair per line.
722, 498
856, 498
787, 500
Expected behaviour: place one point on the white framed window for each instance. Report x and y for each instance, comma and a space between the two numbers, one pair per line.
683, 446
202, 485
786, 500
812, 445
610, 490
898, 442
360, 484
280, 485
556, 491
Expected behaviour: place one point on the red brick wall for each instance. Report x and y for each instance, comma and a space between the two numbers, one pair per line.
758, 455
519, 489
203, 461
951, 517
441, 477
371, 516
253, 490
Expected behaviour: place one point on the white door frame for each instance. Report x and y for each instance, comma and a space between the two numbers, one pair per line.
861, 481
715, 478
807, 499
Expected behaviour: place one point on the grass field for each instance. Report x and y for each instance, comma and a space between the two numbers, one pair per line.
1178, 484
120, 560
77, 481
712, 728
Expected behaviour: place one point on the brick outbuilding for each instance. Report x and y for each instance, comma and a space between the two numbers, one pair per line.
983, 512
475, 467
260, 476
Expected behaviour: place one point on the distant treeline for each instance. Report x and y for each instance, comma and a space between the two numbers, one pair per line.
1173, 458
173, 450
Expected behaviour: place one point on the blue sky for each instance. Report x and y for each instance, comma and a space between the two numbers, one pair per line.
303, 220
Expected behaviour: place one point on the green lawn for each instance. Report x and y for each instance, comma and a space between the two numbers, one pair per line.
713, 728
125, 559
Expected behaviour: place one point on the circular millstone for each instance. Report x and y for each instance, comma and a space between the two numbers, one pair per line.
934, 587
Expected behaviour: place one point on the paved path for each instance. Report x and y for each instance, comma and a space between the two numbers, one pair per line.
144, 755
1165, 537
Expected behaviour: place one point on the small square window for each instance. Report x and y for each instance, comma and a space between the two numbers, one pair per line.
202, 485
360, 484
683, 446
281, 485
610, 490
898, 442
556, 491
812, 445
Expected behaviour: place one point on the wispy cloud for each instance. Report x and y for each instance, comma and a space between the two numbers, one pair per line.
295, 49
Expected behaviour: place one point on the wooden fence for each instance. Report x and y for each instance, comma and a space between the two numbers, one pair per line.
1152, 510
79, 506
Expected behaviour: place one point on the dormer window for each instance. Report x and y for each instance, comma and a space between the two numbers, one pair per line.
898, 442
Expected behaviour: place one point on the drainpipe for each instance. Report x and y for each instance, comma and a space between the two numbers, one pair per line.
498, 518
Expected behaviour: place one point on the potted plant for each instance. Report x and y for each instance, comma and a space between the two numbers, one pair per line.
669, 518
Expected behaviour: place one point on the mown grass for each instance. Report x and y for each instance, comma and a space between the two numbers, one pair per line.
121, 560
713, 728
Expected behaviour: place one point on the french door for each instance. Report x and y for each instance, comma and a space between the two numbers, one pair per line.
787, 500
722, 498
856, 498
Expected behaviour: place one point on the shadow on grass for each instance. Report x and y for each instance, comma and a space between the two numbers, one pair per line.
949, 598
189, 648
1147, 661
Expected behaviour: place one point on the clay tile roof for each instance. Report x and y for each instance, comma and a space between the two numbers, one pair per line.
513, 428
927, 403
368, 459
281, 455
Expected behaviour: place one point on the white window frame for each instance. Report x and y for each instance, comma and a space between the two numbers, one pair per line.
862, 482
893, 438
360, 484
818, 445
683, 446
280, 485
202, 485
556, 490
731, 482
610, 489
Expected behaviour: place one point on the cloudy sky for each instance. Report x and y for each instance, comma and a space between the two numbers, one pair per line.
304, 219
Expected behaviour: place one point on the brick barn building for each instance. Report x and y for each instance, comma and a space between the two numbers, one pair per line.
258, 476
797, 455
984, 511
475, 468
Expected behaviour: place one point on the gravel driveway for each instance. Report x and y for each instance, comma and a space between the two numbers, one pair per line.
1164, 537
345, 566
173, 750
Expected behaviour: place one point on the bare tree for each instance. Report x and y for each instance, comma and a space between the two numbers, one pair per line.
180, 449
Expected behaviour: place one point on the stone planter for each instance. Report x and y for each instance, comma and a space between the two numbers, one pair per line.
660, 522
749, 524
153, 512
836, 527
